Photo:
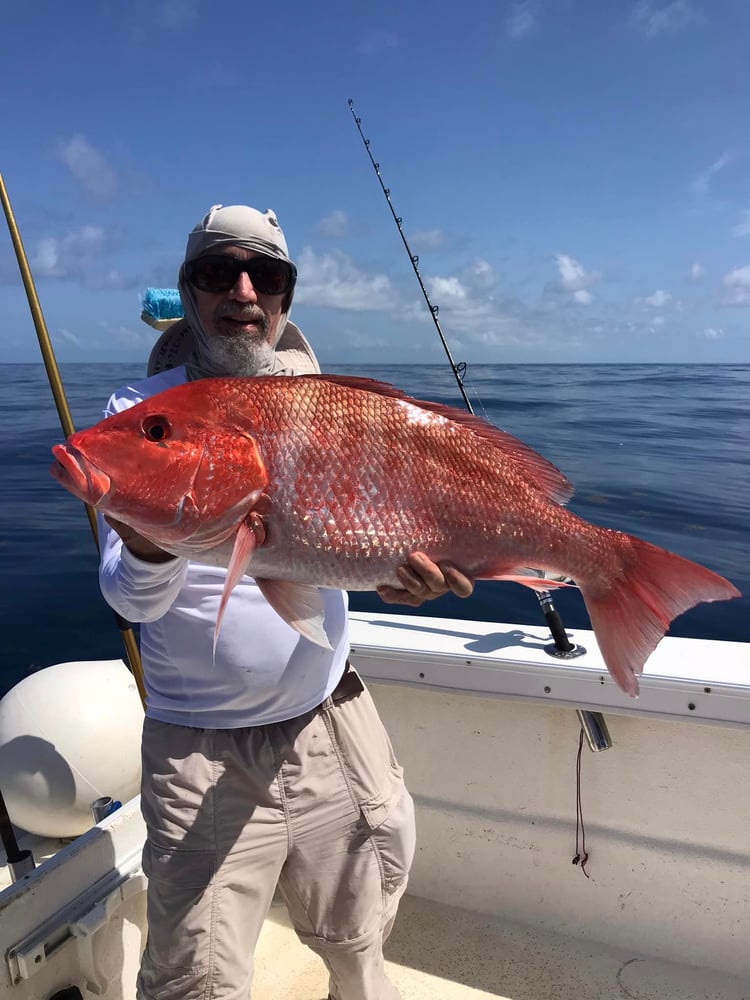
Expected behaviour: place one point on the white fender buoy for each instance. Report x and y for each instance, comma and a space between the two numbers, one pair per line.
69, 734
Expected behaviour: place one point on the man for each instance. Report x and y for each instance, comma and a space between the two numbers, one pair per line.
267, 763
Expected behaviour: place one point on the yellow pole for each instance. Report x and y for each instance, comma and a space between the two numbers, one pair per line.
63, 410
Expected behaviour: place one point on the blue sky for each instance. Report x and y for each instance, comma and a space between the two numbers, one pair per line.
574, 174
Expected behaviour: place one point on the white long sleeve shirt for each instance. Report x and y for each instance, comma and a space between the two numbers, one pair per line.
263, 670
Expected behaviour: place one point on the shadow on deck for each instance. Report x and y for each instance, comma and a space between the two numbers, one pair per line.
441, 953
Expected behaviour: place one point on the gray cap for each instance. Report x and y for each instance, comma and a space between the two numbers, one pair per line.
240, 226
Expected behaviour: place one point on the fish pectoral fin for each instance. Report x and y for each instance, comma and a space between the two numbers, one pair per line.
249, 535
300, 605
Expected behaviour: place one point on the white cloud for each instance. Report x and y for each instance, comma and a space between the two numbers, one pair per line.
110, 280
141, 337
467, 307
701, 183
334, 224
480, 276
478, 320
737, 282
333, 281
521, 19
653, 325
666, 19
575, 279
697, 271
45, 264
446, 288
427, 239
89, 167
658, 300
59, 258
743, 227
84, 242
365, 340
572, 274
377, 42
66, 335
474, 317
711, 333
176, 14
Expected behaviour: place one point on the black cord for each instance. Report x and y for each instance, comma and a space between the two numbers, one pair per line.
581, 857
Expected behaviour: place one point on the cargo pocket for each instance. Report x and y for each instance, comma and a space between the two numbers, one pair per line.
393, 837
376, 783
180, 919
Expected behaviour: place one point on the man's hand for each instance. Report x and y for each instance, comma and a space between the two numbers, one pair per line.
137, 544
424, 580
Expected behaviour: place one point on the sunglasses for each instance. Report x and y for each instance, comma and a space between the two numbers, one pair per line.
217, 273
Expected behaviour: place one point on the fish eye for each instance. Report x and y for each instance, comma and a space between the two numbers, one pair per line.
156, 428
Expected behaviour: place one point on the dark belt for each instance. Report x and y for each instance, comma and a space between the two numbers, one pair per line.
349, 685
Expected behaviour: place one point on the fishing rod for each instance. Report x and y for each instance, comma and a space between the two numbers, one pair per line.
132, 654
20, 862
458, 370
563, 647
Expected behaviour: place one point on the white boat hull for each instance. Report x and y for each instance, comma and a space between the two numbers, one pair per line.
484, 722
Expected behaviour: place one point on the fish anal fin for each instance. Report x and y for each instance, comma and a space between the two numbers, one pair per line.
300, 605
533, 582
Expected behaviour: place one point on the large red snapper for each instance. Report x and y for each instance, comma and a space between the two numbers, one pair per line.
331, 481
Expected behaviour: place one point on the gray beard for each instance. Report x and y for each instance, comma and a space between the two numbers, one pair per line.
242, 355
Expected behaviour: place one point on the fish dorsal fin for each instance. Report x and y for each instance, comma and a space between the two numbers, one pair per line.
547, 477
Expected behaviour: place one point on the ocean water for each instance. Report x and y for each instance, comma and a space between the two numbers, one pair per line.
660, 451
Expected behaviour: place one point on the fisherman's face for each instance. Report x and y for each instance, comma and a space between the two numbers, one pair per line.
242, 311
241, 324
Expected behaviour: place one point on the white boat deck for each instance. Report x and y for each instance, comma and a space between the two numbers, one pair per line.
442, 953
438, 952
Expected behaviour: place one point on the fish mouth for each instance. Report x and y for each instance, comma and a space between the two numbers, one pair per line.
78, 475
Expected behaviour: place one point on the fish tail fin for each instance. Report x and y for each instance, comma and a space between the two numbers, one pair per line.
630, 613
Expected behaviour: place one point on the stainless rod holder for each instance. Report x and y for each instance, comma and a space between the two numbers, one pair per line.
595, 727
22, 864
102, 807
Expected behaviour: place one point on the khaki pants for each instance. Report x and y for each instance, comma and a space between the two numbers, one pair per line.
316, 805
